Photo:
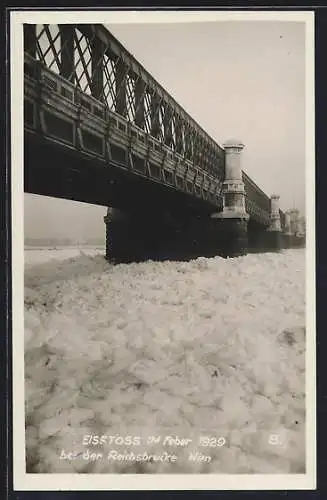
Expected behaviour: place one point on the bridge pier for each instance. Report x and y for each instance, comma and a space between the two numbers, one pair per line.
152, 234
140, 235
257, 237
298, 232
161, 234
287, 235
232, 222
294, 236
274, 231
133, 236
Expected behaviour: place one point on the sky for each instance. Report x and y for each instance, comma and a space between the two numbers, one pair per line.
243, 80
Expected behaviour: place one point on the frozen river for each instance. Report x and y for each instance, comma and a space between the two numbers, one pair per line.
212, 348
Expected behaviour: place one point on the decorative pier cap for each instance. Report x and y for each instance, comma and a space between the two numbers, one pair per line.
233, 143
233, 186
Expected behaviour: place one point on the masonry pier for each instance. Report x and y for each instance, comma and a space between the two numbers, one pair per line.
232, 222
287, 234
274, 231
157, 235
297, 228
161, 234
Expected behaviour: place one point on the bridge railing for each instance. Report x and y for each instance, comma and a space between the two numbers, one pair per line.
92, 59
257, 202
58, 110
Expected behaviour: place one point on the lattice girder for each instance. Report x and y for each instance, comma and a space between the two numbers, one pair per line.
48, 46
109, 87
256, 195
91, 58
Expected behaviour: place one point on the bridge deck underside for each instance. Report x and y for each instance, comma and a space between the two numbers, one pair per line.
64, 173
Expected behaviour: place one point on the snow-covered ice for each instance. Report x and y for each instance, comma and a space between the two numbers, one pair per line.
206, 348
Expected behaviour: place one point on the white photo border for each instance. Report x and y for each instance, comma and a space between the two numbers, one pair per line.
106, 482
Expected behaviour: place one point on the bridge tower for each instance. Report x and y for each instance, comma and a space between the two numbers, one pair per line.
233, 220
298, 237
287, 236
274, 231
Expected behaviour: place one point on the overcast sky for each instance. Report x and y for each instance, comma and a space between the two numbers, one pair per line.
242, 80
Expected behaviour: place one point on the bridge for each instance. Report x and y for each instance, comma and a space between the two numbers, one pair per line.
98, 128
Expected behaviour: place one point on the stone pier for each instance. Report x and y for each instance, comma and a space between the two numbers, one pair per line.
232, 222
164, 232
298, 236
139, 235
133, 236
287, 235
274, 231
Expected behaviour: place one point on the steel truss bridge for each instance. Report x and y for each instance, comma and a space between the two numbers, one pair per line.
100, 129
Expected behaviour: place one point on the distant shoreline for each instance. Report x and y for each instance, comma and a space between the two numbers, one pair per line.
63, 247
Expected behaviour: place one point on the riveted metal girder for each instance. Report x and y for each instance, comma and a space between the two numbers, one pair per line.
97, 65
